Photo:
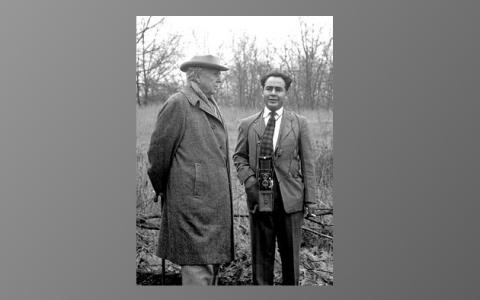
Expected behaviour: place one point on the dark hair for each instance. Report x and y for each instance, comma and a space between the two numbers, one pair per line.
287, 79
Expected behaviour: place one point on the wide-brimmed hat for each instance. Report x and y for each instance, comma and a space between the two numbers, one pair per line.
205, 61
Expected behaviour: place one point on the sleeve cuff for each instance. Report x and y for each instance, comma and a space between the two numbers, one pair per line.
244, 174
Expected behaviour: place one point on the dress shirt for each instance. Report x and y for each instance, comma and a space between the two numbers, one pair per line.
278, 122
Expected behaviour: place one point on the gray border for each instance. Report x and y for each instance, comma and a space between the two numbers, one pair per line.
406, 147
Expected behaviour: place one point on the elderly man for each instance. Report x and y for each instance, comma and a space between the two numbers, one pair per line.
189, 170
274, 160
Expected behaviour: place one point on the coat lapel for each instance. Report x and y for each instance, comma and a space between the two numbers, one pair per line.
259, 125
195, 95
285, 127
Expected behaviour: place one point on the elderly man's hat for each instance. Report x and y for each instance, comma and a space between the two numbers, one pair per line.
205, 61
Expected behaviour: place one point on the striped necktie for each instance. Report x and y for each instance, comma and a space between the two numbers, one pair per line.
266, 147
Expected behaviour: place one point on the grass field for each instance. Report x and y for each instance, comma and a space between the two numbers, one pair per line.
316, 253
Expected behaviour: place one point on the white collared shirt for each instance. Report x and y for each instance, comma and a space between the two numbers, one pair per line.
278, 122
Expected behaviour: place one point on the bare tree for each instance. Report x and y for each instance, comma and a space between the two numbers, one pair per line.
155, 57
310, 62
142, 50
249, 64
325, 83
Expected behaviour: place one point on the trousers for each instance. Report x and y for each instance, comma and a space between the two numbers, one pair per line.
266, 228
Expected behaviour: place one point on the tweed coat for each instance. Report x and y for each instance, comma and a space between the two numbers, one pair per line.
293, 158
197, 224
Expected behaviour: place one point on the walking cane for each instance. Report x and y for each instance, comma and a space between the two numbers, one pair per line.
163, 271
162, 201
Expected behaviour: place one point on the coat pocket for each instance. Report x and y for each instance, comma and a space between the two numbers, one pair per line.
197, 180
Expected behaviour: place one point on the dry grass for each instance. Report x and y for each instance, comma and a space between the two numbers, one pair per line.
316, 253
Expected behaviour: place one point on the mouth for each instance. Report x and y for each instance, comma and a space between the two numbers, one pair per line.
272, 102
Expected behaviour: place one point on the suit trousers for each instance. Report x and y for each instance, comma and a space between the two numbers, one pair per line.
200, 275
265, 228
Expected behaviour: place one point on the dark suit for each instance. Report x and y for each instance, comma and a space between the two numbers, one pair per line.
294, 188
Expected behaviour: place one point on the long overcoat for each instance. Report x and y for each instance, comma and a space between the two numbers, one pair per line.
189, 164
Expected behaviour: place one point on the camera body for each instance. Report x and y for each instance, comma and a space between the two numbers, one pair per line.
265, 183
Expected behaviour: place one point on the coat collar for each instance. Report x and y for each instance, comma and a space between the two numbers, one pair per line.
285, 127
195, 96
266, 113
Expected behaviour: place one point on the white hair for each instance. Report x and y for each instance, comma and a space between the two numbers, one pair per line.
193, 74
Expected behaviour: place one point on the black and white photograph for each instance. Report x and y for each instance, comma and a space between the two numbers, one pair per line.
233, 181
234, 148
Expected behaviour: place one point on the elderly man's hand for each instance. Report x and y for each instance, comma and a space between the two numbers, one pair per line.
157, 196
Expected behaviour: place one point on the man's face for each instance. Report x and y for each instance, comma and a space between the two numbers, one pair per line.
274, 93
209, 81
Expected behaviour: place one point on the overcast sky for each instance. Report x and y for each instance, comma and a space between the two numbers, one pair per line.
214, 34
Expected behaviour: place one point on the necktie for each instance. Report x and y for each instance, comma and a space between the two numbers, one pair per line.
266, 147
